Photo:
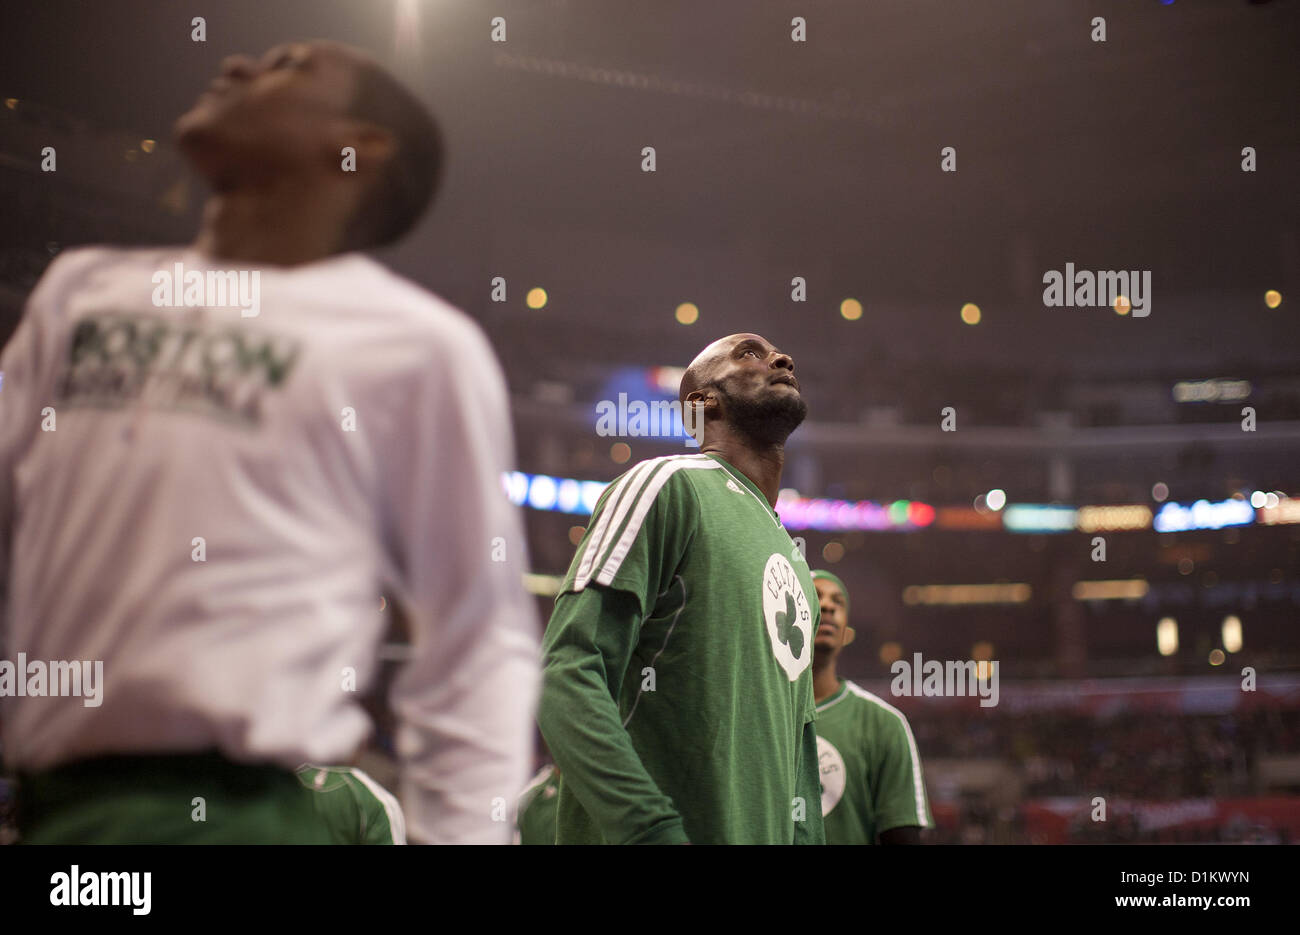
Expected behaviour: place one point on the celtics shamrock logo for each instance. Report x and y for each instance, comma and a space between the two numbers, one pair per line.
788, 615
786, 631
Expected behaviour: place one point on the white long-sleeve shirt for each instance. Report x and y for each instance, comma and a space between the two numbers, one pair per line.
349, 437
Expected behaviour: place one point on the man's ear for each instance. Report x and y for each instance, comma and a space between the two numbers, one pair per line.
695, 411
850, 635
705, 398
692, 417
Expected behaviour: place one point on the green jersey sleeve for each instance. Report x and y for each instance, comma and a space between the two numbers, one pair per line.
355, 808
586, 651
384, 821
809, 829
638, 534
900, 795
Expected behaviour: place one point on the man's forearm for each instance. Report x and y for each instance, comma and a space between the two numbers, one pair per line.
586, 653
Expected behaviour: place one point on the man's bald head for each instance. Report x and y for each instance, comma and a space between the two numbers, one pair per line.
696, 375
700, 372
747, 382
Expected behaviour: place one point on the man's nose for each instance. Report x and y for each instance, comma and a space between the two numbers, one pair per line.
784, 362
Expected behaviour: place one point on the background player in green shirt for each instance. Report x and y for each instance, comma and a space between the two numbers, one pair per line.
872, 786
677, 691
355, 808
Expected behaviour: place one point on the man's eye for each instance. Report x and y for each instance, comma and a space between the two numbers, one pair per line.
750, 351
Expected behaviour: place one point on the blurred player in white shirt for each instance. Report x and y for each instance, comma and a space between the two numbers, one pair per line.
209, 501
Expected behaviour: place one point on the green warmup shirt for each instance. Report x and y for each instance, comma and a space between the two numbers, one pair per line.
870, 770
536, 821
355, 808
173, 798
677, 692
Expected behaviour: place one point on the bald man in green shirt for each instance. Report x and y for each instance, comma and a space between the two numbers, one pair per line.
677, 693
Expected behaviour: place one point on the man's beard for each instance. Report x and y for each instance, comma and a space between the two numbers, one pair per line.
769, 420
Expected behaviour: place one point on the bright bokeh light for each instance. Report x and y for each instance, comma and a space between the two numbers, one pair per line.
851, 309
517, 486
536, 297
541, 492
569, 496
996, 499
1167, 636
591, 491
1272, 298
970, 313
1231, 632
688, 313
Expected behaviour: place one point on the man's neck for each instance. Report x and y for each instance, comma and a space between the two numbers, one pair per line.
762, 465
825, 681
280, 224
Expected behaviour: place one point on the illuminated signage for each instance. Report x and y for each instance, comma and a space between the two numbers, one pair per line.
1286, 511
1211, 391
1203, 514
847, 515
964, 517
1113, 518
1034, 517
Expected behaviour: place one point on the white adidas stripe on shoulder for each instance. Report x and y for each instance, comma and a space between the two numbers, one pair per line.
631, 481
638, 489
645, 500
871, 696
392, 808
918, 783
